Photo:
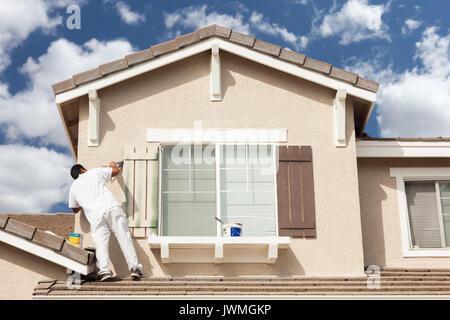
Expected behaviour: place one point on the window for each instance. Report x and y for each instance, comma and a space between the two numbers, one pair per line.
429, 213
235, 183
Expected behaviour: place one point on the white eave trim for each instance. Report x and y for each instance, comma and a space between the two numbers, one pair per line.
403, 149
247, 53
45, 253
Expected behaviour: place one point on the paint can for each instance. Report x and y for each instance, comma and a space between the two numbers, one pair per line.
76, 239
232, 229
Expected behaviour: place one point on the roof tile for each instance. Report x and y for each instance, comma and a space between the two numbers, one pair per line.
317, 65
206, 32
343, 75
222, 31
48, 240
20, 229
63, 86
367, 84
87, 76
267, 47
45, 285
113, 66
243, 39
139, 56
292, 56
75, 253
187, 39
41, 291
164, 47
3, 220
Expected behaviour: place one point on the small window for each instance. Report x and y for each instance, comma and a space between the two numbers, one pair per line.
429, 213
240, 178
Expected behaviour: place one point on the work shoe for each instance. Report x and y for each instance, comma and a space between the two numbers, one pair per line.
136, 273
104, 276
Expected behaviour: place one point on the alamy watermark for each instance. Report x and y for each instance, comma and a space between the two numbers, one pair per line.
74, 20
374, 277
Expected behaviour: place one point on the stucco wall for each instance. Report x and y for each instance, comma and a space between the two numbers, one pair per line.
20, 272
380, 215
254, 96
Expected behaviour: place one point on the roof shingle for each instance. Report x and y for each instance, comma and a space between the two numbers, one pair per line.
204, 33
45, 239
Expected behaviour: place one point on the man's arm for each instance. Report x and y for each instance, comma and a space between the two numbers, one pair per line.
115, 170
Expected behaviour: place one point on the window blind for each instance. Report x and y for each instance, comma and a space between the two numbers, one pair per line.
444, 190
188, 191
423, 214
247, 188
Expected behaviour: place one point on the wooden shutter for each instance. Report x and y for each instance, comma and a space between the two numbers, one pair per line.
295, 181
140, 174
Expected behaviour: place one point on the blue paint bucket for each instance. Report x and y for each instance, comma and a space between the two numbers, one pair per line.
232, 229
76, 239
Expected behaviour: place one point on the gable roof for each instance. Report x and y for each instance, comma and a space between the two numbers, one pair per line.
45, 245
228, 34
69, 92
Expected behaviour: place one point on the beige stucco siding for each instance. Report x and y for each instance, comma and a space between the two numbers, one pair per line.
21, 271
380, 216
254, 96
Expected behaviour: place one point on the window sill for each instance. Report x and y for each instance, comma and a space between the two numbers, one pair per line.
219, 249
427, 253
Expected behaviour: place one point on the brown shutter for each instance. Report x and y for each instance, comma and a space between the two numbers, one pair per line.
296, 209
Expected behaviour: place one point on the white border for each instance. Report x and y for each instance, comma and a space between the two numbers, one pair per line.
417, 174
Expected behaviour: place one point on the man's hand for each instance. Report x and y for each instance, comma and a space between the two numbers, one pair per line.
76, 210
115, 170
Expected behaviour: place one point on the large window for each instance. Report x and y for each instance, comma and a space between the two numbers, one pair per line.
429, 213
233, 182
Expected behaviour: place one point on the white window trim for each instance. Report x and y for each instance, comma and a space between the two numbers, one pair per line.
416, 174
217, 243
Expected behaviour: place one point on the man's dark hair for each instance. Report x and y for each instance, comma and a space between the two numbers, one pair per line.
76, 170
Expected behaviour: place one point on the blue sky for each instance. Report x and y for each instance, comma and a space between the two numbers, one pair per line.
404, 45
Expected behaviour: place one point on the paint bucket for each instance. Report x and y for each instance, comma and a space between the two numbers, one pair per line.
76, 240
232, 229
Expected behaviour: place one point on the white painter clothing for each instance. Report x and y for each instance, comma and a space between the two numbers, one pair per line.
113, 220
89, 191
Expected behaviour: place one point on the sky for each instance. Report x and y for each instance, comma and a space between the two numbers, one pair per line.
403, 45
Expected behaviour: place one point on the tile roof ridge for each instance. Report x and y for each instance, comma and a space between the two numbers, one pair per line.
228, 34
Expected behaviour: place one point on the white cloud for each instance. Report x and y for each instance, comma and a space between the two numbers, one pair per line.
410, 25
357, 20
258, 22
128, 16
32, 113
414, 102
18, 18
32, 179
196, 17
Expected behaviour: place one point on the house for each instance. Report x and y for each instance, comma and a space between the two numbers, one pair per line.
218, 124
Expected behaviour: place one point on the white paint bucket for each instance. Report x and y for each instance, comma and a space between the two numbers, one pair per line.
232, 229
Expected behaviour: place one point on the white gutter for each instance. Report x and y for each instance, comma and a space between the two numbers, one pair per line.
402, 149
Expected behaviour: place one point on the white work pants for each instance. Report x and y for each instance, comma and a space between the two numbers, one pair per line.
113, 220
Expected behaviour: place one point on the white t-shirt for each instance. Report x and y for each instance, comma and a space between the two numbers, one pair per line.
89, 191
